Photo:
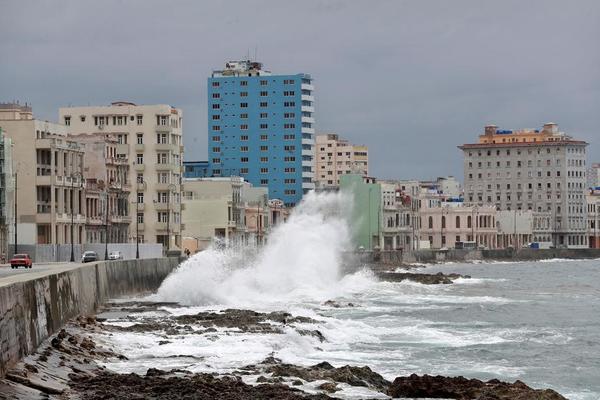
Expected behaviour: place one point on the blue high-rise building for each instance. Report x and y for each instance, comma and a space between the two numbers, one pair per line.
260, 127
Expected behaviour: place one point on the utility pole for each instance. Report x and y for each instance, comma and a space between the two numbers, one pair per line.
106, 222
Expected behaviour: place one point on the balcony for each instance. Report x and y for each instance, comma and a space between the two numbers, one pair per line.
140, 147
140, 227
168, 167
139, 167
95, 220
140, 206
162, 206
307, 97
140, 187
43, 180
120, 219
166, 147
163, 128
122, 148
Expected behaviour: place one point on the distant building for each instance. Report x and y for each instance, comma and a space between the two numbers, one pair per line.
6, 194
444, 223
593, 204
539, 170
593, 176
261, 127
334, 157
49, 170
196, 169
228, 210
149, 137
366, 217
107, 189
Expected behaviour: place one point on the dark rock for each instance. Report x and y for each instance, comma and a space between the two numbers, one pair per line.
163, 342
56, 342
31, 368
88, 344
297, 382
155, 372
461, 388
426, 279
329, 387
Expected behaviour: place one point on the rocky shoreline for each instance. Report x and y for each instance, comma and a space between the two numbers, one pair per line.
68, 366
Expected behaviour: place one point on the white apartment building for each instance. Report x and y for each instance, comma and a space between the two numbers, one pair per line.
49, 179
334, 157
150, 137
539, 170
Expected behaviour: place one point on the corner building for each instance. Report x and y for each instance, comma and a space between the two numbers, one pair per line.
539, 170
260, 127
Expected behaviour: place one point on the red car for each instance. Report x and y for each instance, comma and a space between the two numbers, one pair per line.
21, 260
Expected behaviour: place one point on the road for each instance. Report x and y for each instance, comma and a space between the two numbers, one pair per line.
38, 268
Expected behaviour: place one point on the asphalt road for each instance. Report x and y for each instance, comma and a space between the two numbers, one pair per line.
6, 270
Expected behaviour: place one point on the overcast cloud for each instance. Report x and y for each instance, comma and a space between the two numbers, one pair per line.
410, 79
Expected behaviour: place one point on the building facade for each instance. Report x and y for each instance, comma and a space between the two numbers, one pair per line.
261, 127
196, 169
593, 204
6, 194
593, 176
49, 182
108, 188
366, 210
149, 137
539, 170
334, 157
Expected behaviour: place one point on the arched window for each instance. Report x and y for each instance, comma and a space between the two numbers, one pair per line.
469, 222
458, 221
430, 222
443, 222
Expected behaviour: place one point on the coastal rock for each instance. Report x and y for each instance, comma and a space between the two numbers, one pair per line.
461, 388
106, 385
335, 304
351, 375
426, 279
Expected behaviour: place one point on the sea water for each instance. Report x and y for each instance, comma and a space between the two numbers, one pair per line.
534, 321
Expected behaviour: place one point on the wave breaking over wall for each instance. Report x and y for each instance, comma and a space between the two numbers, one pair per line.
301, 261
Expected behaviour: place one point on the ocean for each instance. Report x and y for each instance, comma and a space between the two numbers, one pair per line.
538, 322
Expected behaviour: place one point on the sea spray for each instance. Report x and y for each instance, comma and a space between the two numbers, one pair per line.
301, 261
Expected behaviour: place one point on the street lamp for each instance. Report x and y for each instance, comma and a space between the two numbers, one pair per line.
73, 176
172, 187
137, 220
16, 246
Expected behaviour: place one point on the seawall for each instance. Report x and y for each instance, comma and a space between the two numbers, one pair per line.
33, 306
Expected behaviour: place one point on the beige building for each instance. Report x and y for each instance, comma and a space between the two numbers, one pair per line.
334, 156
49, 169
150, 138
593, 205
448, 223
107, 196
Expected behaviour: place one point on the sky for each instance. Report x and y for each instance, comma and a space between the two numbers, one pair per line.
412, 79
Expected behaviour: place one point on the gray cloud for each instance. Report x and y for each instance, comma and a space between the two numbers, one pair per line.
411, 79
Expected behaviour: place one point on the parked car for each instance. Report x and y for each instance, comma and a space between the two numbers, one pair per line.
115, 255
89, 256
21, 260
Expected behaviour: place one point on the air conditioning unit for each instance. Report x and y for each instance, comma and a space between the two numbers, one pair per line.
101, 127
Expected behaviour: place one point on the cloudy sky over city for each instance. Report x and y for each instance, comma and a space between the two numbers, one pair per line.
410, 79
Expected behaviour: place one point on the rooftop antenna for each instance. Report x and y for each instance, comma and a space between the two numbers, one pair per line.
255, 53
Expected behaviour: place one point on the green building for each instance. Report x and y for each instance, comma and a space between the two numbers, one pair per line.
366, 196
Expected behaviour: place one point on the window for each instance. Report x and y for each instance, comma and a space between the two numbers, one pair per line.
214, 106
244, 127
140, 218
243, 170
243, 105
469, 222
289, 126
216, 95
162, 138
163, 177
264, 181
264, 93
244, 137
163, 216
140, 138
162, 158
264, 126
443, 222
139, 158
216, 138
244, 149
140, 178
264, 170
264, 148
216, 161
288, 93
263, 137
263, 115
430, 223
458, 221
244, 159
216, 128
263, 83
289, 104
216, 117
216, 149
244, 116
289, 115
140, 197
67, 121
243, 83
264, 104
243, 94
264, 159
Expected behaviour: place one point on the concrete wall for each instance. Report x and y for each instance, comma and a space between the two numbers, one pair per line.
33, 309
